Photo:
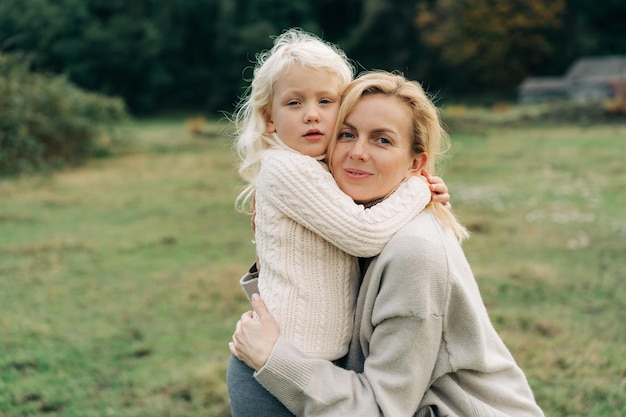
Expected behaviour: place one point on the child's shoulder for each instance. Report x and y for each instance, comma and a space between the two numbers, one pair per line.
283, 152
288, 159
280, 167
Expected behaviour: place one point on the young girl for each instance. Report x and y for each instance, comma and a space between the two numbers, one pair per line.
308, 232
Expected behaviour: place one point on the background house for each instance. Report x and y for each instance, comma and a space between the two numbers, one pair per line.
587, 79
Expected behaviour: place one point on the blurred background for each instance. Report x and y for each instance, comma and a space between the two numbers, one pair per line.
174, 55
120, 246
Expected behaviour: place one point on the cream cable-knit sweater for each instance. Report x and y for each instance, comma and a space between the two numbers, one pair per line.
308, 233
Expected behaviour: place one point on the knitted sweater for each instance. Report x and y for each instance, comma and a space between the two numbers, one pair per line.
422, 341
308, 233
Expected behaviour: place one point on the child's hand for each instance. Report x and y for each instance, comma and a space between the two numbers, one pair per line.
438, 190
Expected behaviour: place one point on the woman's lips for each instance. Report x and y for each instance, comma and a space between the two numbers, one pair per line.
356, 173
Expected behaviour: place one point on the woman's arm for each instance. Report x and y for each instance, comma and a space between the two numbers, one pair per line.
397, 338
393, 380
300, 188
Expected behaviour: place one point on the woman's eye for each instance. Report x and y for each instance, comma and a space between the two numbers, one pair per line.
345, 135
383, 141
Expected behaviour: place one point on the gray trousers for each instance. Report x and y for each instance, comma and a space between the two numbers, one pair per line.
247, 397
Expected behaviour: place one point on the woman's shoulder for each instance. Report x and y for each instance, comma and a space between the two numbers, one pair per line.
423, 246
420, 242
424, 232
413, 270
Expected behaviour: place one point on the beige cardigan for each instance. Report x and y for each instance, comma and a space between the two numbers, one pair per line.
422, 341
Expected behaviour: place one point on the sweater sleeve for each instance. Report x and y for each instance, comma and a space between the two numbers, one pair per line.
400, 350
299, 187
393, 382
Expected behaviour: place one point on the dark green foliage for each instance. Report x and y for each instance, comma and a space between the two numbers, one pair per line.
161, 55
113, 47
589, 28
46, 121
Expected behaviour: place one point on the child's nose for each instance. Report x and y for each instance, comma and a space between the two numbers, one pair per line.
312, 115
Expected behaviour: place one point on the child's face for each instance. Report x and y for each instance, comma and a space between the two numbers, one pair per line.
304, 109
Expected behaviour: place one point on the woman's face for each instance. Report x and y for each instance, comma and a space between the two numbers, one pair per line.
373, 151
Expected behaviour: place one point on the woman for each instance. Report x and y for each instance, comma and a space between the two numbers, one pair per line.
422, 344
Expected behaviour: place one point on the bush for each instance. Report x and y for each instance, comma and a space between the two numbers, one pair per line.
46, 122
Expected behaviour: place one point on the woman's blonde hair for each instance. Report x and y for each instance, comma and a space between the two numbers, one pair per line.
293, 47
428, 134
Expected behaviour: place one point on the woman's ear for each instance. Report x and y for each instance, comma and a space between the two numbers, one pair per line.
419, 163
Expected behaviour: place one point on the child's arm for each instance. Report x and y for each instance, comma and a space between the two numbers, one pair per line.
438, 189
299, 187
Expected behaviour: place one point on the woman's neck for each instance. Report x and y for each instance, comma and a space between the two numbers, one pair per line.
372, 203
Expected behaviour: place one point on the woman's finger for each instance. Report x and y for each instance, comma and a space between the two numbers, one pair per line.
259, 306
247, 315
232, 349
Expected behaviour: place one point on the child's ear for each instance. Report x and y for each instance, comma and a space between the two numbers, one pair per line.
269, 124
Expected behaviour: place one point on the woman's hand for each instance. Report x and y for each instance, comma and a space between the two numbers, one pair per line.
255, 335
438, 189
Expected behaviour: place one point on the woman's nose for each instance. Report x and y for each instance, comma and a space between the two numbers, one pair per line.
359, 150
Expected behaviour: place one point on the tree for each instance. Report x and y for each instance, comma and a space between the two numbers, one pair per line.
378, 34
197, 54
108, 46
490, 42
46, 121
245, 28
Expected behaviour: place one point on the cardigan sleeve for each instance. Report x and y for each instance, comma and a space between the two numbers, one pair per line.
299, 187
250, 282
394, 379
400, 345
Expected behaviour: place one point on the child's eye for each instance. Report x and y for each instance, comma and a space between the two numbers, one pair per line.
293, 102
325, 101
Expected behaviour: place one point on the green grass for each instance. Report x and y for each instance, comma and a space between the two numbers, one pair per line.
546, 206
119, 279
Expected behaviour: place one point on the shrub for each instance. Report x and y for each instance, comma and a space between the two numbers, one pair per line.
47, 122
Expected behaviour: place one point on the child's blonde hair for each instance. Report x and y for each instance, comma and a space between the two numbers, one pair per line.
293, 47
428, 134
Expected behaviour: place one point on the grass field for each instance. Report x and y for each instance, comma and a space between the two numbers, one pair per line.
118, 279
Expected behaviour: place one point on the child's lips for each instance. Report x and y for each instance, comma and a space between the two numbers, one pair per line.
313, 135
